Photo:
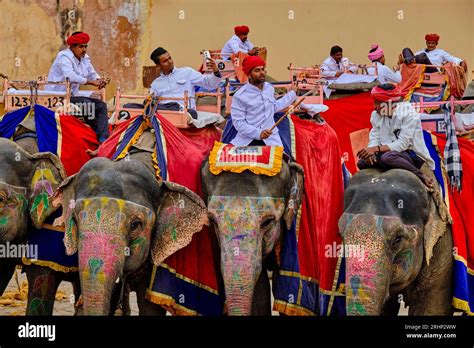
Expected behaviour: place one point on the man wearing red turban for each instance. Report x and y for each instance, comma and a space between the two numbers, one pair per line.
239, 43
396, 138
254, 105
438, 56
74, 64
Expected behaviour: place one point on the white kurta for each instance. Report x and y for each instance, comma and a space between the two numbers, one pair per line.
183, 79
330, 67
234, 46
385, 74
66, 65
400, 132
252, 112
440, 57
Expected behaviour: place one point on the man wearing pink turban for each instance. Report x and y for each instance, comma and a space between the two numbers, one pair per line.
384, 73
239, 42
396, 138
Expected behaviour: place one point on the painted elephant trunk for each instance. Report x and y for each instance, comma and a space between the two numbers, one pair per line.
101, 263
368, 271
240, 270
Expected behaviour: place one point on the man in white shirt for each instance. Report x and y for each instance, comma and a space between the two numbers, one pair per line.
239, 43
74, 64
173, 82
396, 138
384, 73
438, 56
254, 105
333, 66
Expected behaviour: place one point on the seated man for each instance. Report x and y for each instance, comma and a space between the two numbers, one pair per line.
239, 43
74, 63
431, 55
396, 138
384, 73
172, 81
254, 105
333, 66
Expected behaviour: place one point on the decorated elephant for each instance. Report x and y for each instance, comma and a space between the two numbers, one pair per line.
402, 235
247, 211
27, 182
121, 220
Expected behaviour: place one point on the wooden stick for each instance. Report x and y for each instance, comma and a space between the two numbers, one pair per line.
292, 108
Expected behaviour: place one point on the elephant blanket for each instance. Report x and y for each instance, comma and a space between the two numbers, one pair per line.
311, 269
461, 206
260, 160
68, 138
186, 282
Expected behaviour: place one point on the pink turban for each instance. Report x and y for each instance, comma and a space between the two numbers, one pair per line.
376, 54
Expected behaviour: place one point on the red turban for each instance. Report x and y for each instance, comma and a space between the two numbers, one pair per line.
241, 30
251, 62
78, 39
386, 94
432, 37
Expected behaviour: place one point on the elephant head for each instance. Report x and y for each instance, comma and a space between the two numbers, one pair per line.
394, 224
27, 185
117, 217
247, 211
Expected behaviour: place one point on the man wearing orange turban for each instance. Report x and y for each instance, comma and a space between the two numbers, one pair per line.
438, 56
239, 42
74, 64
254, 105
396, 138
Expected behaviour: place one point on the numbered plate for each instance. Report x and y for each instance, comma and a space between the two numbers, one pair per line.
14, 102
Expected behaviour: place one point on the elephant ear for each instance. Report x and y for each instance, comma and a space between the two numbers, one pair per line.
295, 195
437, 224
47, 174
181, 214
65, 197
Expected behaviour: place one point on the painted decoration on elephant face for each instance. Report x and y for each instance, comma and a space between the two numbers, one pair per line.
366, 273
13, 203
239, 220
111, 231
42, 190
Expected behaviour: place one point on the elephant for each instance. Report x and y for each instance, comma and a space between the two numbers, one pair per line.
121, 220
247, 212
398, 245
27, 181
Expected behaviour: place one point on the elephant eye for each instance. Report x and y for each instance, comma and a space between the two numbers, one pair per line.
396, 242
267, 222
135, 224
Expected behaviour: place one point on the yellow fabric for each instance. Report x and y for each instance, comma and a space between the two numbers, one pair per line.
132, 141
53, 265
168, 303
271, 169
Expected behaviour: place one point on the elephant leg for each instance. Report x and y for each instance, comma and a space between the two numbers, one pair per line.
126, 310
261, 303
145, 307
76, 288
7, 268
43, 283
